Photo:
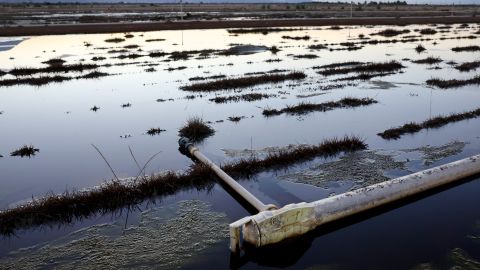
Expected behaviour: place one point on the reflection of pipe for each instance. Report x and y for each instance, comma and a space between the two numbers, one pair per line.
269, 227
185, 144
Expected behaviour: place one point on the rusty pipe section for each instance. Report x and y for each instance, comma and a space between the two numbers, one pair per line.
186, 145
269, 227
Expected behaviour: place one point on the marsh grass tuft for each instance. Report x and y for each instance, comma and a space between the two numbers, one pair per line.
420, 48
263, 31
53, 69
473, 48
435, 122
243, 82
155, 131
391, 32
115, 40
429, 60
468, 66
55, 62
25, 151
382, 67
250, 97
306, 107
306, 37
453, 83
196, 129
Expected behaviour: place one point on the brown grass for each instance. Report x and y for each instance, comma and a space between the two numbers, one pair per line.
468, 66
384, 67
243, 82
196, 129
25, 151
453, 83
436, 122
245, 97
306, 107
112, 196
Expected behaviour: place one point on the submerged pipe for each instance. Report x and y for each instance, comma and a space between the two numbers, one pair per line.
272, 225
188, 147
269, 227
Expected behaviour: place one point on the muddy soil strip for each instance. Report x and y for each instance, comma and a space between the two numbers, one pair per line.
304, 107
436, 122
181, 25
113, 195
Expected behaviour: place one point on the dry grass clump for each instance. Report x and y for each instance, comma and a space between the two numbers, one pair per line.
306, 37
213, 77
115, 40
196, 129
157, 54
317, 47
428, 31
154, 40
305, 56
436, 122
468, 66
391, 32
112, 196
263, 31
93, 75
383, 67
98, 58
155, 131
52, 69
243, 82
54, 62
250, 97
337, 65
39, 81
25, 151
453, 83
131, 46
306, 107
429, 60
235, 119
473, 48
420, 48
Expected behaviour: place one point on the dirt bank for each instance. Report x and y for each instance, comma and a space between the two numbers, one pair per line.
180, 25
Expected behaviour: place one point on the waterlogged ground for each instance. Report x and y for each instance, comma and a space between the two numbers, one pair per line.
189, 229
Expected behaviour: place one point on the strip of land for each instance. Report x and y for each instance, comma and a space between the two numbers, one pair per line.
436, 122
306, 107
90, 28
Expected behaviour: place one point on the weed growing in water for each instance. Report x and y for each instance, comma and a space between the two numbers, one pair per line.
25, 151
196, 129
436, 122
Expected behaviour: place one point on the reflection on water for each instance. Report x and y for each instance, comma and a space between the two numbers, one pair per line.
57, 119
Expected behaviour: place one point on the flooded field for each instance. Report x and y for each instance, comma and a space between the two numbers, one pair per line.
410, 93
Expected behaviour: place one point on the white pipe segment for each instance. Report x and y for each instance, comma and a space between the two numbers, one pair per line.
269, 227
